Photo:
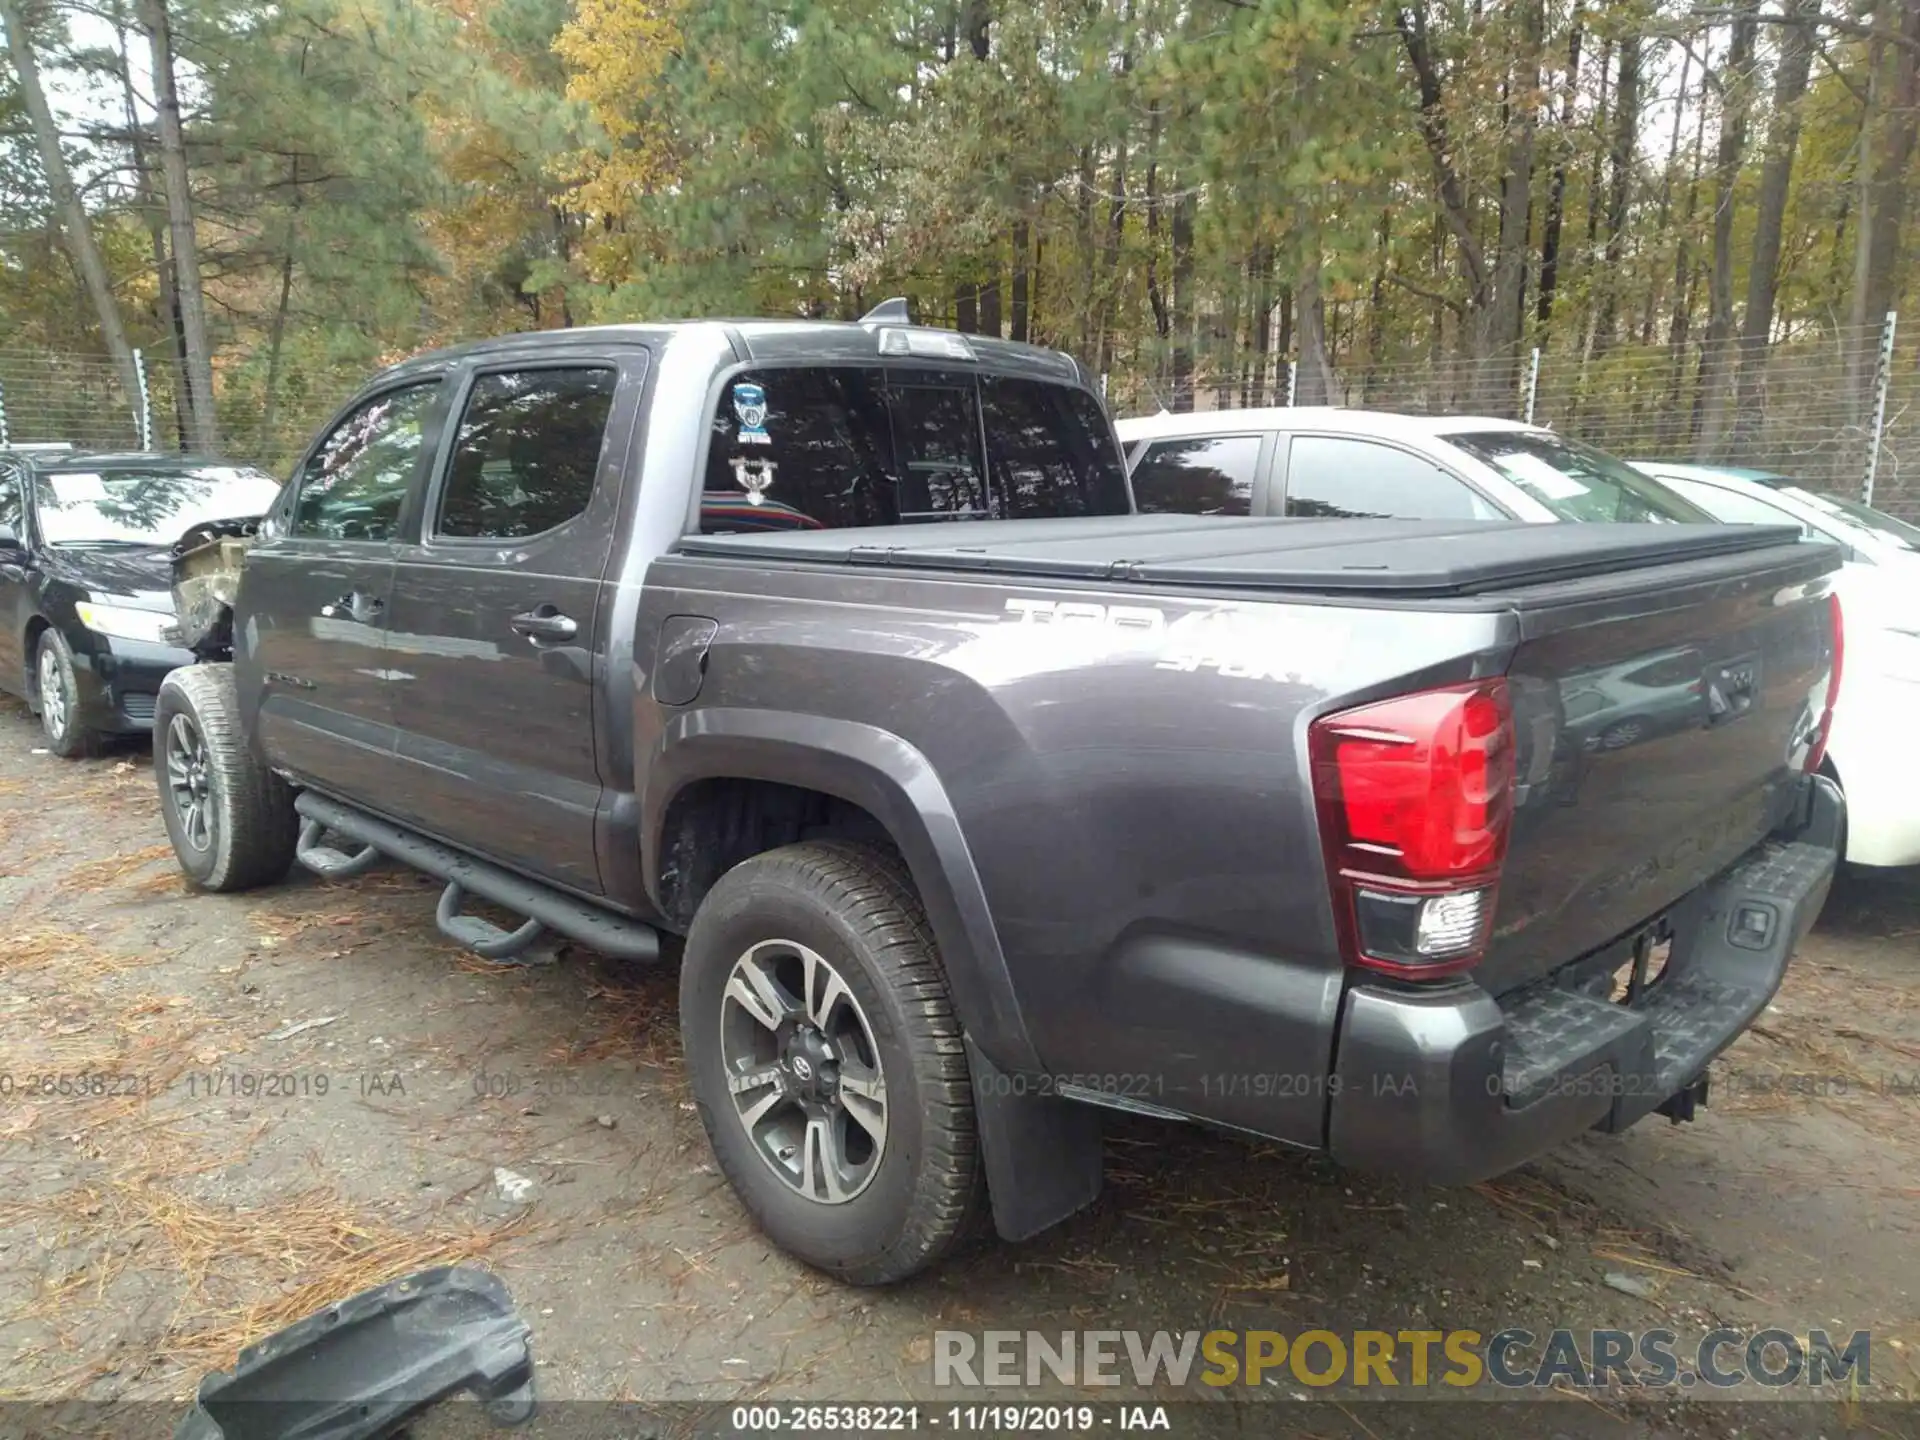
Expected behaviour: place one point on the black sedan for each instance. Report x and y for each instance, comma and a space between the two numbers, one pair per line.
85, 584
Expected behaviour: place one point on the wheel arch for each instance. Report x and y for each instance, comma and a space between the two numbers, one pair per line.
709, 761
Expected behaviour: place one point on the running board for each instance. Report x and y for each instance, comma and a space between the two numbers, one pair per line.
544, 907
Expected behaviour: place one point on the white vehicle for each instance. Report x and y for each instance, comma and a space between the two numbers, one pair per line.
1327, 462
1880, 597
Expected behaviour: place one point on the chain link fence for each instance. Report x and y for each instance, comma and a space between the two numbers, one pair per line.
80, 400
1837, 409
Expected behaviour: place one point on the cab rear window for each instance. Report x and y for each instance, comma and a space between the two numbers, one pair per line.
834, 447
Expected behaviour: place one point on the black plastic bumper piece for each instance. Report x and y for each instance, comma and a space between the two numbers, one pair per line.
360, 1369
1452, 1085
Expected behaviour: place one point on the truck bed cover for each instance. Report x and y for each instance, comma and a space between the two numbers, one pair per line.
1361, 557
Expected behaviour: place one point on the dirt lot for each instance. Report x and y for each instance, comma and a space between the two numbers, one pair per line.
149, 1231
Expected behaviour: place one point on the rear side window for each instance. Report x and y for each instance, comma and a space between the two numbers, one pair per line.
1330, 477
835, 447
1578, 482
1734, 508
353, 486
526, 452
1201, 475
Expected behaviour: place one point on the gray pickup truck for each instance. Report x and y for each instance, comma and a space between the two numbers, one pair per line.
978, 831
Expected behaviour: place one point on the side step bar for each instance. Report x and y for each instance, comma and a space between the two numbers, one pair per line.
545, 908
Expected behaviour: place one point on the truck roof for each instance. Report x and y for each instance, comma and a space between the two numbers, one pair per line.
1335, 419
770, 342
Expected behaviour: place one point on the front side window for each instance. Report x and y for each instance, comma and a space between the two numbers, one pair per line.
1200, 475
145, 508
354, 485
833, 447
525, 455
1332, 477
1578, 482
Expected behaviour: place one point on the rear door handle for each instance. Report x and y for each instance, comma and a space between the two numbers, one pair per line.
543, 622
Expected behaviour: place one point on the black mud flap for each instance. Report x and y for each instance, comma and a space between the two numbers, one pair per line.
1042, 1152
361, 1369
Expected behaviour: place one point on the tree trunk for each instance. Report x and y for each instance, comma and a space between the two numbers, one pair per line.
1260, 266
1377, 305
1681, 326
1155, 297
1776, 175
1664, 229
186, 244
275, 336
966, 307
1455, 208
1315, 378
1094, 337
1181, 234
1589, 318
990, 304
1022, 244
1716, 350
74, 226
1620, 160
1887, 148
154, 214
1557, 188
1506, 317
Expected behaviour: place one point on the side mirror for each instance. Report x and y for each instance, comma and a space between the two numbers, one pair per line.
10, 538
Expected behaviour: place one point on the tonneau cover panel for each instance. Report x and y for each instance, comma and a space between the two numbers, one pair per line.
1378, 557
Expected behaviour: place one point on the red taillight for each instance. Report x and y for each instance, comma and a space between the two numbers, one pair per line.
1817, 752
1415, 796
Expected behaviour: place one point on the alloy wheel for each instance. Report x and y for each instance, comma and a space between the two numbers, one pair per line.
189, 782
54, 701
803, 1071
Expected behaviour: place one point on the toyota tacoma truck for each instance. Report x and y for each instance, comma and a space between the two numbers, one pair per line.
977, 831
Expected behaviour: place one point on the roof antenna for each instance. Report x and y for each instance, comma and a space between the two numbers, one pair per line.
888, 312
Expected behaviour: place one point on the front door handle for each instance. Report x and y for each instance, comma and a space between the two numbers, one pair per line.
543, 622
364, 608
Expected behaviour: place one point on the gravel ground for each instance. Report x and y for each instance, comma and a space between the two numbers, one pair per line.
307, 1091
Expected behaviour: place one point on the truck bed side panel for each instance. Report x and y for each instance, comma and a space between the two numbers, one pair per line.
1128, 772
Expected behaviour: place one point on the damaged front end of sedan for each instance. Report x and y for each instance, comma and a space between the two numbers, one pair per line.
207, 562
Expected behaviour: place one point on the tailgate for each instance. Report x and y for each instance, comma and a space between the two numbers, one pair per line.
1661, 733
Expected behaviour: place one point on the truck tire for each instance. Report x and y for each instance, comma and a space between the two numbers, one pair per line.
58, 689
827, 1064
230, 818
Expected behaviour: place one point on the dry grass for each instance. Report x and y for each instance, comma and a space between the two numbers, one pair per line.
78, 956
102, 874
235, 1274
274, 927
637, 1017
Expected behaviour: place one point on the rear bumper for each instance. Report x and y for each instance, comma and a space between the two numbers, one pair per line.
1454, 1085
118, 680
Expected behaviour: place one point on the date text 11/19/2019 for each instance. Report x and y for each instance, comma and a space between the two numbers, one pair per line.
986, 1419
